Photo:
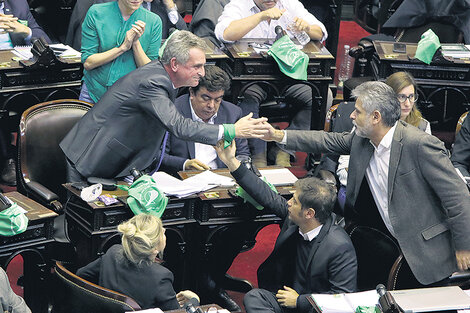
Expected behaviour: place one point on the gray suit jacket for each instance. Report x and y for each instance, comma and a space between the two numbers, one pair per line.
125, 129
9, 301
429, 205
178, 150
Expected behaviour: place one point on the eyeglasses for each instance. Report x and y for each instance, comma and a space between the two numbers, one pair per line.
402, 98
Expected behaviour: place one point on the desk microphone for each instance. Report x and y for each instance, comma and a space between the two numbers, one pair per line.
386, 300
192, 306
280, 32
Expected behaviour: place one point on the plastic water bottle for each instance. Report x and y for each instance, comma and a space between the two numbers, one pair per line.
287, 22
346, 67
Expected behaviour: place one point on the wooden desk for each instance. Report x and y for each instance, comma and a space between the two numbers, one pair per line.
443, 86
246, 65
32, 245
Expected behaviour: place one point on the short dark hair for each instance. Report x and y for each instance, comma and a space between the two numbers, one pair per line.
215, 79
316, 194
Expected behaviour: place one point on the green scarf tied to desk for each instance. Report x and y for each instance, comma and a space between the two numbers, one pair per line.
427, 46
291, 60
13, 221
145, 197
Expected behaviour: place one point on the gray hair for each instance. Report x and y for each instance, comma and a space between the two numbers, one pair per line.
178, 47
381, 97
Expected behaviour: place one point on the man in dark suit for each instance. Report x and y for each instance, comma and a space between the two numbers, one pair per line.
311, 253
18, 27
204, 103
415, 193
125, 129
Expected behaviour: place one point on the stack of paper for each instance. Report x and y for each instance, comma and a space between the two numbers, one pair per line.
65, 51
211, 179
172, 186
279, 177
344, 302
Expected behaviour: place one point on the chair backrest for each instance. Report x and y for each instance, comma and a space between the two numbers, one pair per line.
42, 128
460, 122
73, 294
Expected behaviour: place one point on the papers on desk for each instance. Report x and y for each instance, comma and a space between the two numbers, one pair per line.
23, 52
344, 302
279, 176
457, 50
60, 50
155, 310
206, 180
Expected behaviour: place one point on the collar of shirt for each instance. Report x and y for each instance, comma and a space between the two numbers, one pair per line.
254, 8
309, 236
386, 141
197, 118
2, 7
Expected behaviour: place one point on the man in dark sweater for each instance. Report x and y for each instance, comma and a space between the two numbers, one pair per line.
311, 254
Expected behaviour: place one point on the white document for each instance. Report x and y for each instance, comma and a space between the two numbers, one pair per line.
279, 176
211, 179
345, 302
173, 186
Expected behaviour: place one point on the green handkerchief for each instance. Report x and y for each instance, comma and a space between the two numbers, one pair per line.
291, 60
427, 46
247, 198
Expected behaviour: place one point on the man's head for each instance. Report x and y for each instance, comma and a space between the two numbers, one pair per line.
184, 58
313, 200
207, 96
376, 106
264, 5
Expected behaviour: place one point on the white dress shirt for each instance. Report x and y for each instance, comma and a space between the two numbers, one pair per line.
309, 236
202, 152
238, 9
377, 175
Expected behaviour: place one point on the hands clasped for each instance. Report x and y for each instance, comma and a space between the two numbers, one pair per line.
248, 127
185, 295
133, 34
10, 24
287, 297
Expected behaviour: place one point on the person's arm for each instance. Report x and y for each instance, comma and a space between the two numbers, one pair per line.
251, 183
239, 28
461, 150
440, 175
140, 57
91, 272
9, 301
305, 21
165, 295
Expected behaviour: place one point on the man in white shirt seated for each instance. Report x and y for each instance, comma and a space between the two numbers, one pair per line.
258, 19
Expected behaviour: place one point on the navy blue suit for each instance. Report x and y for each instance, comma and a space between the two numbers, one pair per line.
20, 9
178, 150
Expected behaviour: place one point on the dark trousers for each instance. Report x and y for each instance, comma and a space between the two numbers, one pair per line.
73, 175
263, 301
300, 96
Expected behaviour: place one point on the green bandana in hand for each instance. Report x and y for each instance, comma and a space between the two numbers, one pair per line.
13, 221
245, 196
427, 46
229, 134
291, 60
145, 197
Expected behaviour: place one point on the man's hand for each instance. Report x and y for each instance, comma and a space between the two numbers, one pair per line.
169, 4
287, 297
301, 25
10, 24
195, 164
185, 295
273, 134
227, 155
272, 14
463, 259
248, 127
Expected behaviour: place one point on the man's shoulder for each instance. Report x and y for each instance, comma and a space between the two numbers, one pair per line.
337, 237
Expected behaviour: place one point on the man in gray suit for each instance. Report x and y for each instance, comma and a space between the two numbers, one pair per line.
125, 129
9, 301
420, 199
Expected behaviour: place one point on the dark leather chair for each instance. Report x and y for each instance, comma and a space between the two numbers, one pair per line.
73, 294
41, 163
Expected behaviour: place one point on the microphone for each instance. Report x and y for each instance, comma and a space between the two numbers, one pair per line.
280, 32
386, 300
192, 306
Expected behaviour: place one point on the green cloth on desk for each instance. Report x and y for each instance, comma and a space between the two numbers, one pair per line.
104, 29
13, 221
291, 60
427, 46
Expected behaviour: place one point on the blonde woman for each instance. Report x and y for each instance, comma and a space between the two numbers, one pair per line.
133, 268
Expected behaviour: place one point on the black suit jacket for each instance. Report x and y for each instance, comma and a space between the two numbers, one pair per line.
178, 150
125, 129
332, 261
151, 285
20, 9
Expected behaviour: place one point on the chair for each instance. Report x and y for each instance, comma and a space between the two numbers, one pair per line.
41, 163
73, 294
460, 122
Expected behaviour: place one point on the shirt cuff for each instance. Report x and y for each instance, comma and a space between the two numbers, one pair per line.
28, 38
221, 132
184, 164
284, 140
173, 16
